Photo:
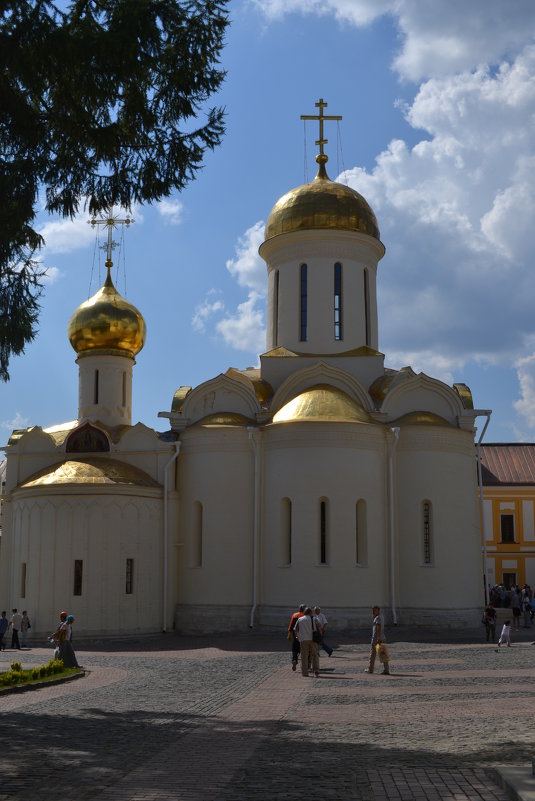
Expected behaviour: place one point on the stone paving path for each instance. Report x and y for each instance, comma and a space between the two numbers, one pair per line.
176, 721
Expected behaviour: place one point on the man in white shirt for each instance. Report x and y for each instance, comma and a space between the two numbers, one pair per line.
14, 625
305, 628
322, 623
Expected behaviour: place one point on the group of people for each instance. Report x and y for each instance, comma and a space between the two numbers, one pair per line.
306, 631
518, 599
19, 623
62, 639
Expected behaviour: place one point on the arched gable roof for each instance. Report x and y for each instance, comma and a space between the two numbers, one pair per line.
320, 373
419, 393
221, 394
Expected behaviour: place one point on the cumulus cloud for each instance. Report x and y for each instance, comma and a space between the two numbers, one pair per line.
247, 266
17, 422
66, 235
210, 306
52, 275
245, 329
171, 211
437, 39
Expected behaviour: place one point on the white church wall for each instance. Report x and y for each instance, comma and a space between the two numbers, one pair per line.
339, 464
216, 469
50, 533
436, 465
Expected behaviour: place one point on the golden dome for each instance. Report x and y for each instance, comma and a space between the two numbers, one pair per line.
107, 322
322, 204
91, 471
420, 418
322, 402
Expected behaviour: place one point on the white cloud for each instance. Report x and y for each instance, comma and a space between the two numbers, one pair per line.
66, 235
245, 330
171, 211
53, 274
525, 406
205, 310
17, 422
437, 39
247, 266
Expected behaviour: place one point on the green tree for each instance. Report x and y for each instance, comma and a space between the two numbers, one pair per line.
100, 103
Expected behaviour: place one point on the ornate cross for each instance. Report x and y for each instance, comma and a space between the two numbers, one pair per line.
110, 222
321, 117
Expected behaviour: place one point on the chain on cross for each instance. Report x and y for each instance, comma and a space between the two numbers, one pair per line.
321, 158
110, 222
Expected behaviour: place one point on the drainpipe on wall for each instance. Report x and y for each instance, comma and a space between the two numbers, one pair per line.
165, 529
486, 414
251, 430
391, 450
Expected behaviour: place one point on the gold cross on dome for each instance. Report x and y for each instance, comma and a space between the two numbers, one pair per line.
110, 222
321, 117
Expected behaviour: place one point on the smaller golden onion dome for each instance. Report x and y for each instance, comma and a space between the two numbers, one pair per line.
107, 322
322, 402
420, 418
322, 204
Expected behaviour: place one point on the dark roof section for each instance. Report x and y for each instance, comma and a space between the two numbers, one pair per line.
505, 463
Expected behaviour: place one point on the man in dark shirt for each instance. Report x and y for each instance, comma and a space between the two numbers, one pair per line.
291, 630
490, 621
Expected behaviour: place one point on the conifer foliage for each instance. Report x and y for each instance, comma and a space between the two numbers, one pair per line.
100, 105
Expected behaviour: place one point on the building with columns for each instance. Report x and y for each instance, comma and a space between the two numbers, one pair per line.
320, 476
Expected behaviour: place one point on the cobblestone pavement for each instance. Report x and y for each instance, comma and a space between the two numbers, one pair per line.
170, 719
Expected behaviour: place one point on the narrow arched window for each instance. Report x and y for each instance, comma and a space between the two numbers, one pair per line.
361, 533
303, 302
427, 533
124, 388
338, 301
276, 308
367, 306
197, 535
95, 387
286, 532
323, 533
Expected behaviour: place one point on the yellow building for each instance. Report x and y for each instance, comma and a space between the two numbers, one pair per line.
508, 476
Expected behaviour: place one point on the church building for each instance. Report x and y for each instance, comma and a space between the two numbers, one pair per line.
320, 476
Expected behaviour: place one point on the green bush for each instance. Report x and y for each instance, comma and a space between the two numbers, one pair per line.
16, 667
35, 673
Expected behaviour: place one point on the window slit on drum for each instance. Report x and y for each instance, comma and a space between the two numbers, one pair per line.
323, 533
303, 309
338, 301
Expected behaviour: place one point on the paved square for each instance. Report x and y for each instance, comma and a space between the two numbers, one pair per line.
225, 719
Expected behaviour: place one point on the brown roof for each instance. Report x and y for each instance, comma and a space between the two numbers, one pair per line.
508, 463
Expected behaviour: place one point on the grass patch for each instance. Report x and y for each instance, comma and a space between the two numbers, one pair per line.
16, 676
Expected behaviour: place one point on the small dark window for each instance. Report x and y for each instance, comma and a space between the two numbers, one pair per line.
426, 510
323, 533
508, 528
96, 387
367, 307
276, 310
338, 301
124, 388
303, 316
23, 580
129, 576
78, 575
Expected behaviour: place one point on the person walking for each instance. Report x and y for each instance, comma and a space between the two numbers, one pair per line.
25, 626
505, 636
322, 623
4, 625
490, 621
292, 635
306, 627
378, 637
14, 625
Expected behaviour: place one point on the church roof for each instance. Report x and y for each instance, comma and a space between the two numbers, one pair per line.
507, 463
322, 204
320, 403
91, 471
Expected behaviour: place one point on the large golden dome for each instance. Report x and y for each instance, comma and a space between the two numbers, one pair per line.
107, 322
322, 204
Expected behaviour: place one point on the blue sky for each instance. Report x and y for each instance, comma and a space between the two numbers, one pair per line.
438, 106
